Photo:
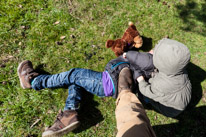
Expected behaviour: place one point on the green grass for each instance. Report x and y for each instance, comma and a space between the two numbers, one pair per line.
28, 31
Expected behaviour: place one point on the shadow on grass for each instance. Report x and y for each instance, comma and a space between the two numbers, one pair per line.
39, 69
89, 115
193, 14
192, 122
147, 44
196, 76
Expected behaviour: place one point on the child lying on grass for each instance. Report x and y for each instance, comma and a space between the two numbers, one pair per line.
101, 84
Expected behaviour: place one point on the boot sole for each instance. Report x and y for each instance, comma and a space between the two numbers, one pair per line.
18, 71
62, 131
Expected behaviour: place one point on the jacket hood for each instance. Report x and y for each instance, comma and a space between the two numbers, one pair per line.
171, 57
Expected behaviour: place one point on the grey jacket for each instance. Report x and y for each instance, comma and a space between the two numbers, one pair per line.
170, 86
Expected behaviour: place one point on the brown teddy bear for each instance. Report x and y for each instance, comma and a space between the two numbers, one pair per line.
131, 38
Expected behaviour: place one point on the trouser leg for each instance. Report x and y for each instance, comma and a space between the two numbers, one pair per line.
73, 98
90, 80
131, 118
76, 80
52, 81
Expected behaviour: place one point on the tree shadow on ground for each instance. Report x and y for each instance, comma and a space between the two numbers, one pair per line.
193, 14
89, 115
192, 122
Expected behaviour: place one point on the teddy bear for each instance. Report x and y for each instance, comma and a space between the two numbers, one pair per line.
130, 39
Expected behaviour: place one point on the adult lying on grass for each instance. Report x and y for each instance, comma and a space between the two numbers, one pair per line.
102, 84
169, 89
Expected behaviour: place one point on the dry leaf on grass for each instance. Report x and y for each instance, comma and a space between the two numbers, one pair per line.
57, 22
35, 123
62, 37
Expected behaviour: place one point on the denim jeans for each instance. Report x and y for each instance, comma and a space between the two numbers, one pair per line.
76, 80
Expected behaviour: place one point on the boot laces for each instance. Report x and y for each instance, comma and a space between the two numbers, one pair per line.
60, 115
31, 73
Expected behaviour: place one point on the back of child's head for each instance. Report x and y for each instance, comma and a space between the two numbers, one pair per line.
171, 57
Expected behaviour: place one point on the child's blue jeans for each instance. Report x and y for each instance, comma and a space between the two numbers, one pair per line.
76, 80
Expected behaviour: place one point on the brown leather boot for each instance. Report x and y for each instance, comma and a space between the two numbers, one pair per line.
26, 73
125, 81
66, 121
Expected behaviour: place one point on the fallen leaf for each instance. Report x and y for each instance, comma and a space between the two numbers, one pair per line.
155, 117
164, 3
57, 22
4, 83
72, 29
49, 112
6, 58
93, 46
11, 71
10, 56
35, 122
204, 100
62, 37
97, 125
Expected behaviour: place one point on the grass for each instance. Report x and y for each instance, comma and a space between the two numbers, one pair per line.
33, 29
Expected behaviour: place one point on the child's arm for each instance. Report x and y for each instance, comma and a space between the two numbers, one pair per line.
145, 88
151, 51
140, 61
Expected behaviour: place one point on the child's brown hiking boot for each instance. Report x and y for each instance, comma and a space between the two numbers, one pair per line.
26, 73
66, 121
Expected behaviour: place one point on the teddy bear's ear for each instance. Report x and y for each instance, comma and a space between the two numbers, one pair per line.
109, 43
130, 23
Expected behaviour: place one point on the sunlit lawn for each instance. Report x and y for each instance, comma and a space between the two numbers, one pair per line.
57, 35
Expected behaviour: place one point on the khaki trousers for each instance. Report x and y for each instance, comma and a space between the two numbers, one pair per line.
131, 117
